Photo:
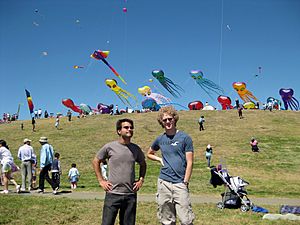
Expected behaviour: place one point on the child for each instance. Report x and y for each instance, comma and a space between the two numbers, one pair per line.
208, 154
56, 172
73, 176
254, 144
201, 122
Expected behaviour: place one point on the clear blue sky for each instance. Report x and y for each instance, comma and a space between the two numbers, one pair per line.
175, 36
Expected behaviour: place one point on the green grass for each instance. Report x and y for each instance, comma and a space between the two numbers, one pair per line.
25, 210
274, 172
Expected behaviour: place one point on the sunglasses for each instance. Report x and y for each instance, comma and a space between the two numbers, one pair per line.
168, 119
128, 127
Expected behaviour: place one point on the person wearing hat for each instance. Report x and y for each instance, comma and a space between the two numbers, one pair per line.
46, 160
25, 154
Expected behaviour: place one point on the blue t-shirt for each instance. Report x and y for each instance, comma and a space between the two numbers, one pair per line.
173, 149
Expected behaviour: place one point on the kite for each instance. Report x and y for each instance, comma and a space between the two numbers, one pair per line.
244, 94
207, 85
35, 23
70, 104
150, 103
122, 94
195, 105
86, 109
288, 99
160, 99
275, 102
225, 102
249, 105
105, 109
78, 67
101, 55
172, 88
29, 101
124, 10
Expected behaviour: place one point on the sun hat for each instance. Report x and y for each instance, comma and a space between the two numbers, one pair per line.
43, 139
26, 140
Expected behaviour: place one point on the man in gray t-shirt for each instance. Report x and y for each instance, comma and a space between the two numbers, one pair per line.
121, 186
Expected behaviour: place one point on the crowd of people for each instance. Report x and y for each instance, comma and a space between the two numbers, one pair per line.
119, 158
49, 162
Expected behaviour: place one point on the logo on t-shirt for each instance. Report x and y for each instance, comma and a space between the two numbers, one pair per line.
175, 143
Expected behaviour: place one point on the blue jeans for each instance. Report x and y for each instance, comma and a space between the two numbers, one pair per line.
124, 204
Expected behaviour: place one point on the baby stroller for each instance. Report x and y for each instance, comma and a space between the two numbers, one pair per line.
235, 194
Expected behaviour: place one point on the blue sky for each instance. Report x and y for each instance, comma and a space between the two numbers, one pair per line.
175, 36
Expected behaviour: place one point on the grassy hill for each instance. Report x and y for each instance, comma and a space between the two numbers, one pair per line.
272, 172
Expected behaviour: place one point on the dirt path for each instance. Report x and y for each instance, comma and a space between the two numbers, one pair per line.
151, 198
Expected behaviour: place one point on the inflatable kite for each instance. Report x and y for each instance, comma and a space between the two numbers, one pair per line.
207, 85
105, 109
101, 55
225, 102
86, 109
288, 100
167, 83
160, 99
29, 101
244, 94
249, 105
70, 104
195, 105
122, 94
275, 102
150, 103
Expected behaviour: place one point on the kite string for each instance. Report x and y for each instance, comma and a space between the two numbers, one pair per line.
221, 41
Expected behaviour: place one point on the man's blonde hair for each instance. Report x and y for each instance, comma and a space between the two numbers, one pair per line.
170, 110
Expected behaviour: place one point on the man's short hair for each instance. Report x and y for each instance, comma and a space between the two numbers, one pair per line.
119, 123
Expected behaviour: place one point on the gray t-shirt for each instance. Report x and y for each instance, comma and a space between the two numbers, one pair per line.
121, 165
173, 149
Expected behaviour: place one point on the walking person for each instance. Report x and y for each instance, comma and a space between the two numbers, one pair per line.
73, 176
177, 152
69, 115
33, 124
46, 160
8, 167
208, 155
201, 122
121, 187
56, 172
240, 111
57, 122
26, 155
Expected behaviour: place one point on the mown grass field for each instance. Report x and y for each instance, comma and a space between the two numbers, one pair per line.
274, 172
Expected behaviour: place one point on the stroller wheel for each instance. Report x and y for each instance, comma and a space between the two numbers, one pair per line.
220, 205
244, 208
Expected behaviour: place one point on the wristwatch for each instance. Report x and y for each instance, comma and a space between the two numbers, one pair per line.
141, 179
186, 183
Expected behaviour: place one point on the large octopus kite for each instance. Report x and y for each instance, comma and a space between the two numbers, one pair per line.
167, 83
122, 94
207, 85
244, 94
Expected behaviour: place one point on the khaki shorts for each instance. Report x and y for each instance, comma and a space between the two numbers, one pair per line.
172, 200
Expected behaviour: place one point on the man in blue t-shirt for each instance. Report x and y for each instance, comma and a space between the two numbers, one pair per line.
177, 162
